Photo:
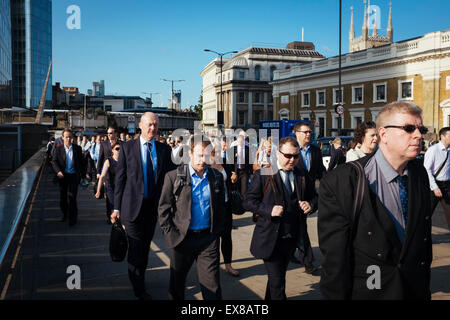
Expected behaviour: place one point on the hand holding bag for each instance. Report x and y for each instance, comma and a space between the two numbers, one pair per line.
118, 242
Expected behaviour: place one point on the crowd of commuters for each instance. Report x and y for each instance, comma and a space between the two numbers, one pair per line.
373, 210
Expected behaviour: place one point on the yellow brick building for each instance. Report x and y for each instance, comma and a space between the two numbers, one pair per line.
416, 70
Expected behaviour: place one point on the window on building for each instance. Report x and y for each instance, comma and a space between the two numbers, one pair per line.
321, 98
357, 94
337, 96
381, 92
241, 98
272, 69
270, 97
321, 126
241, 74
406, 88
108, 108
257, 97
258, 73
257, 116
305, 99
241, 117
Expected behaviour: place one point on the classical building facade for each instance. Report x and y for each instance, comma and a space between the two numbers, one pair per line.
246, 92
416, 70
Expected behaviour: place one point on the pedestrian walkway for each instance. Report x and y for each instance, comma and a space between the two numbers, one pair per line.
50, 246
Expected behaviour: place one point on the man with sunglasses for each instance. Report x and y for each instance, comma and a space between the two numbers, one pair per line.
281, 196
311, 162
105, 153
381, 249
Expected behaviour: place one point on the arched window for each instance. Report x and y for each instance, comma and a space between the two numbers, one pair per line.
258, 73
272, 69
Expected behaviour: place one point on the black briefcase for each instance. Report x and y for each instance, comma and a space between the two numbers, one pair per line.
236, 203
118, 242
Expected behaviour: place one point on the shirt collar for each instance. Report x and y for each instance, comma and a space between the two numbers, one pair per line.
193, 173
389, 173
304, 149
143, 141
67, 149
442, 147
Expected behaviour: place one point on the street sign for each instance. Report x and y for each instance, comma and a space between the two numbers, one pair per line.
339, 109
131, 118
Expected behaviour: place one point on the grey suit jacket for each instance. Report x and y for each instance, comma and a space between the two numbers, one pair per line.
175, 216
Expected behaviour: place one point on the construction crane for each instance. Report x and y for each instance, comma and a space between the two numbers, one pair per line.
40, 112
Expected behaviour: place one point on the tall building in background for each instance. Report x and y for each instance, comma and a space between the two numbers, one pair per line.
31, 25
5, 55
98, 89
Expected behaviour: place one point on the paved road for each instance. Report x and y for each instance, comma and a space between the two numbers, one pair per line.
50, 246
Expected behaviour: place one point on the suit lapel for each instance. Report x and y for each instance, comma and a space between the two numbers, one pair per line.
386, 223
298, 183
213, 201
137, 152
158, 160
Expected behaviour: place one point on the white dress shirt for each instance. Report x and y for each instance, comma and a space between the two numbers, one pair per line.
434, 158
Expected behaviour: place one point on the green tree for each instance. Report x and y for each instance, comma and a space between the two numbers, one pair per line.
199, 107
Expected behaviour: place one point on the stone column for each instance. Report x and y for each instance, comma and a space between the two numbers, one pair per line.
250, 108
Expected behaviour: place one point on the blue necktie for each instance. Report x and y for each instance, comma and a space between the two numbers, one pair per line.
287, 181
150, 176
403, 189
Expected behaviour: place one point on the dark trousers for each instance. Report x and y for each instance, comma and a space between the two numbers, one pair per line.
305, 254
109, 195
91, 170
226, 244
68, 189
242, 181
204, 248
276, 267
434, 202
140, 234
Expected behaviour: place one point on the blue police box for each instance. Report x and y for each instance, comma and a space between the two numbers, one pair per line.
285, 127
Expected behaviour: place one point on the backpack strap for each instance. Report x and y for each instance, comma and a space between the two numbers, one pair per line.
180, 180
360, 190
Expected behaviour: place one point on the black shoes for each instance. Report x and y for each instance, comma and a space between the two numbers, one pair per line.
145, 296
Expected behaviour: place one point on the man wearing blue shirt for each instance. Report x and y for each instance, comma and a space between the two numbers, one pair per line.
192, 216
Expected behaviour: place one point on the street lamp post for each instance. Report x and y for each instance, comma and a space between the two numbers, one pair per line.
171, 100
220, 119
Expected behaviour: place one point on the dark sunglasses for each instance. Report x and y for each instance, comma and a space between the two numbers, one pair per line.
410, 128
290, 156
305, 132
110, 132
117, 149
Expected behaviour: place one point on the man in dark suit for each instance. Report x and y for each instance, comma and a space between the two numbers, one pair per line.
192, 216
281, 198
105, 153
240, 165
142, 165
337, 154
385, 250
311, 162
67, 162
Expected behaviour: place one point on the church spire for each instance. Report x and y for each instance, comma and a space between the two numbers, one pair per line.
364, 28
352, 26
375, 32
390, 30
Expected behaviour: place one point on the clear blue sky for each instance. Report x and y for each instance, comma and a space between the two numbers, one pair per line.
132, 44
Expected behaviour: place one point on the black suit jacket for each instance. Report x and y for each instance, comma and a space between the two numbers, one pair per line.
129, 180
337, 158
317, 168
175, 217
59, 159
265, 233
232, 162
405, 269
104, 153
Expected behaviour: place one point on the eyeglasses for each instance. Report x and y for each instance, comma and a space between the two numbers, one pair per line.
290, 156
305, 132
110, 132
117, 149
410, 128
